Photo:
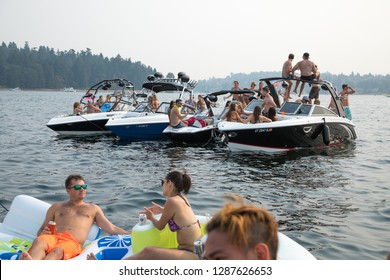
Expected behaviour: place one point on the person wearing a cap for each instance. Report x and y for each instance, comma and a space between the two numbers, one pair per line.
308, 71
175, 117
305, 99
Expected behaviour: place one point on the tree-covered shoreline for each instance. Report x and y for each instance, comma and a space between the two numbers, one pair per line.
43, 68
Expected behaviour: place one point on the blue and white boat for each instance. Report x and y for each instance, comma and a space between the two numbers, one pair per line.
143, 123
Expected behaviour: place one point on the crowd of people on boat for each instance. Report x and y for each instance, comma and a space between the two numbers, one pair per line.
309, 73
100, 105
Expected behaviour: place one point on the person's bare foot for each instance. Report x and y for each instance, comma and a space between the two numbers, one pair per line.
25, 256
91, 257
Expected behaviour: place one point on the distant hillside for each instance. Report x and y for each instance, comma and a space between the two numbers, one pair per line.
44, 68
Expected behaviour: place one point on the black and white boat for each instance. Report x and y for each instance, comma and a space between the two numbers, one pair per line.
123, 97
200, 132
299, 126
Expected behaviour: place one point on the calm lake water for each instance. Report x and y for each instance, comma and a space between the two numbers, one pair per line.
336, 202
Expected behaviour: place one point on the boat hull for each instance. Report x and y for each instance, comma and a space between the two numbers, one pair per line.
139, 128
190, 135
82, 125
284, 136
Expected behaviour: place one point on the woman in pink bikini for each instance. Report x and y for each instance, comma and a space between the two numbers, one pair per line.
178, 214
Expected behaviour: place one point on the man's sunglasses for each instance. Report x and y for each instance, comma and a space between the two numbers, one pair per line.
78, 187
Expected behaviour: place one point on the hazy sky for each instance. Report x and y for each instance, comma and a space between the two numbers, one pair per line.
209, 38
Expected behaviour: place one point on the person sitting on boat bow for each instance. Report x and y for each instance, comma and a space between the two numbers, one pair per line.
176, 119
77, 109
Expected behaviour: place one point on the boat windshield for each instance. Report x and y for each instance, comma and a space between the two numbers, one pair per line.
142, 107
163, 108
289, 108
251, 106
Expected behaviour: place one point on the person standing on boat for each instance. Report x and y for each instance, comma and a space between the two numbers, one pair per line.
344, 96
268, 101
308, 71
287, 73
201, 106
241, 232
315, 89
176, 119
190, 104
155, 102
177, 213
74, 219
236, 86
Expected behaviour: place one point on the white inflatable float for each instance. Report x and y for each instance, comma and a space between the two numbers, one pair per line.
26, 215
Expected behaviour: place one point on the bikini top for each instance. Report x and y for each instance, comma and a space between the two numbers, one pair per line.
174, 227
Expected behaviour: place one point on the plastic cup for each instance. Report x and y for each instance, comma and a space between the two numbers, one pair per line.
52, 226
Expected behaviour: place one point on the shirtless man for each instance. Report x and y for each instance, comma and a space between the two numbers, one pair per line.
315, 90
344, 94
286, 73
74, 219
268, 101
92, 108
176, 119
236, 86
308, 70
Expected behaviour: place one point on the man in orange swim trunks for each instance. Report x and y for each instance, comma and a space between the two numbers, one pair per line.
74, 219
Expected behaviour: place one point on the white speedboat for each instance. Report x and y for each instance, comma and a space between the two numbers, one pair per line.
27, 214
300, 126
123, 99
69, 89
144, 123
